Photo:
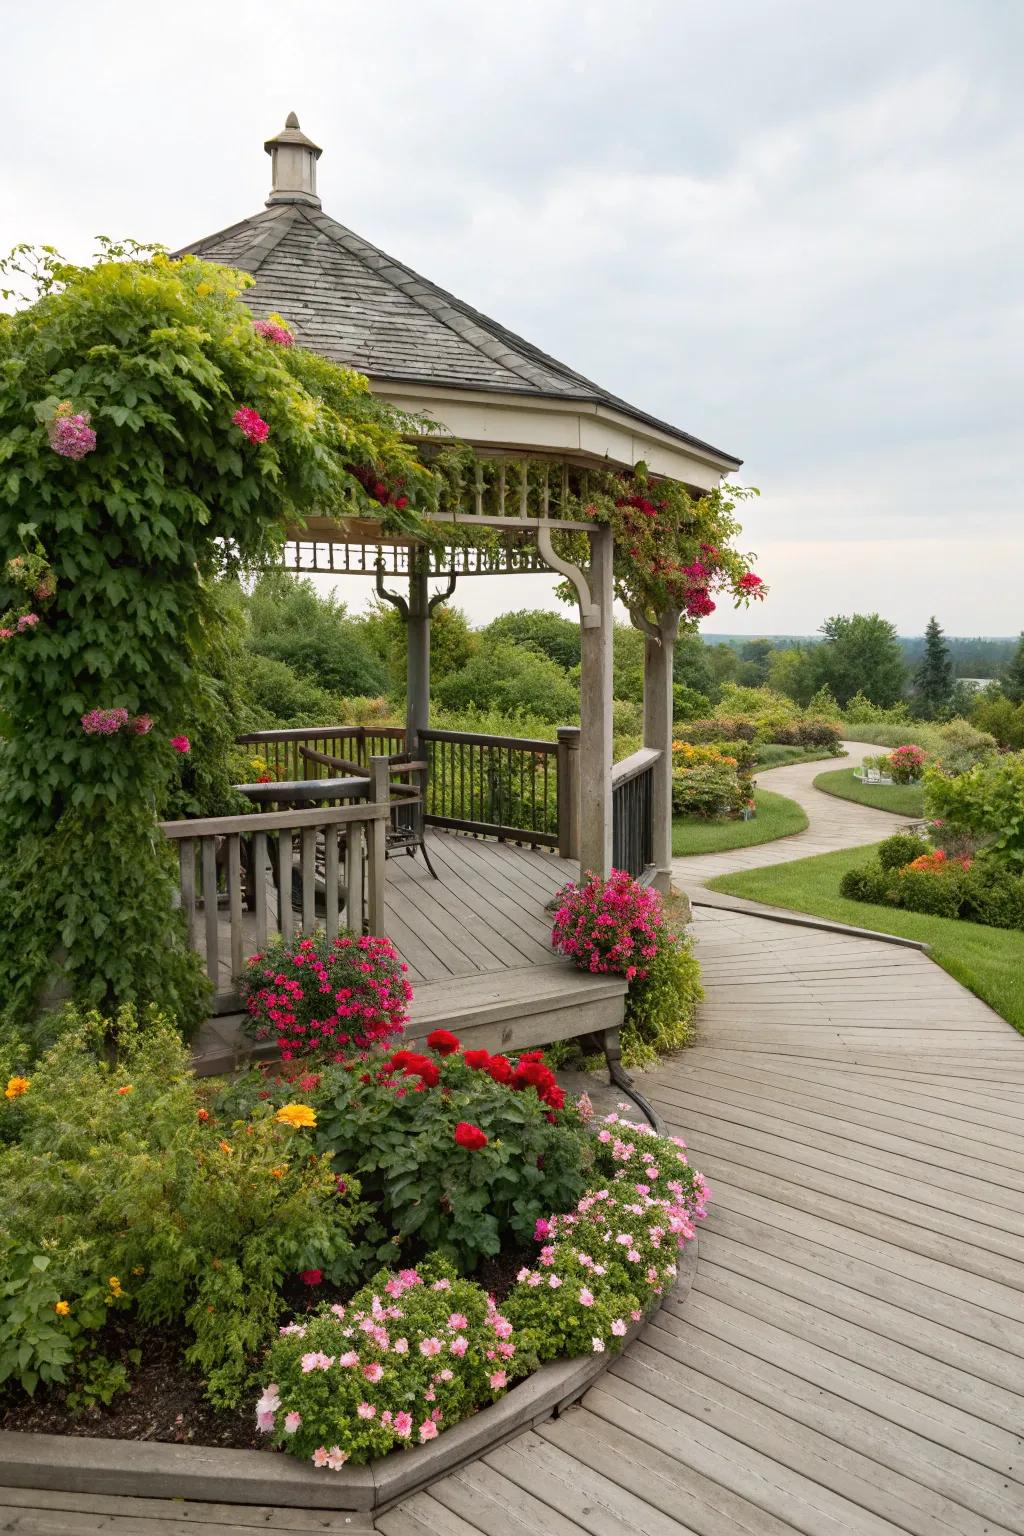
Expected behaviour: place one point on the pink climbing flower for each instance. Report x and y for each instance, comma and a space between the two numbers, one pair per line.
270, 331
142, 724
251, 424
104, 722
181, 744
70, 434
27, 621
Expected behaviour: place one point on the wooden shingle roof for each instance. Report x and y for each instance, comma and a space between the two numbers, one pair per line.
348, 301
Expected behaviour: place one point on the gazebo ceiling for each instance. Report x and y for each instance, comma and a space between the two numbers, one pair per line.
426, 349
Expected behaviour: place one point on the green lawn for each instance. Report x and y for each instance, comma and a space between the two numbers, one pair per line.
901, 799
776, 817
989, 961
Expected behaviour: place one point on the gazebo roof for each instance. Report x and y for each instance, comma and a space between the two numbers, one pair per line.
351, 303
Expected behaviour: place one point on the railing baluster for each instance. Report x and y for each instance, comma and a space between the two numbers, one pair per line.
187, 868
331, 892
285, 867
354, 877
307, 857
209, 846
235, 900
258, 855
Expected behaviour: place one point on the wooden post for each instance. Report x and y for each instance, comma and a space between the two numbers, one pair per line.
659, 650
568, 791
596, 714
376, 845
417, 697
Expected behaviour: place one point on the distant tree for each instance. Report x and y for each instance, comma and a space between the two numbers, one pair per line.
860, 653
628, 663
755, 661
791, 671
556, 636
691, 665
933, 680
289, 621
724, 664
452, 642
1013, 681
514, 679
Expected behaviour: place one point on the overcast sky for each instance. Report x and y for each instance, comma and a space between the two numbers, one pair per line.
791, 227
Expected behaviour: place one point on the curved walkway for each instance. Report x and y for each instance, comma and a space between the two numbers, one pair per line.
850, 1360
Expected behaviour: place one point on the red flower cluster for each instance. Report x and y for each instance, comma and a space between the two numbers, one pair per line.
376, 489
938, 862
443, 1042
413, 1064
609, 925
469, 1136
251, 424
323, 995
529, 1071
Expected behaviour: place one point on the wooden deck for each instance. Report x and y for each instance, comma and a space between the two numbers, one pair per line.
477, 941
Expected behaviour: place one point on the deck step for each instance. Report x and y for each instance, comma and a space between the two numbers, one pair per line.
516, 1009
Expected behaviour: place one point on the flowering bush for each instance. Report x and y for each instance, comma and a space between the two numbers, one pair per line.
608, 925
906, 764
121, 1193
69, 432
602, 1264
274, 330
320, 996
706, 785
660, 1009
251, 424
460, 1151
986, 802
413, 1353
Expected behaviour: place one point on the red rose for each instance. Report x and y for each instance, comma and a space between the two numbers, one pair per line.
443, 1042
480, 1061
469, 1136
311, 1276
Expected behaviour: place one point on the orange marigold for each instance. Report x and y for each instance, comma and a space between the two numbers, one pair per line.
16, 1086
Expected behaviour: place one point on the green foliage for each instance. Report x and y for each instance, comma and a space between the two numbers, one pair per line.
688, 704
429, 1192
160, 355
661, 1008
986, 801
860, 653
513, 680
110, 1173
767, 710
556, 637
1013, 678
290, 622
791, 671
901, 849
707, 789
1001, 718
860, 710
957, 745
452, 642
933, 680
870, 882
280, 697
993, 894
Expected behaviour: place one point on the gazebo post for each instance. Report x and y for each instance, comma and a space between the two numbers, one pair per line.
417, 693
659, 651
595, 837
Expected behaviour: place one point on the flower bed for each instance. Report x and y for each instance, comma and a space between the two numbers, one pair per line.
239, 1216
911, 874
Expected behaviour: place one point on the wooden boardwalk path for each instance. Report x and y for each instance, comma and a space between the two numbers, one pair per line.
850, 1360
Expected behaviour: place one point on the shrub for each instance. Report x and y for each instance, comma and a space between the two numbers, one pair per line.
704, 732
413, 1353
900, 849
1001, 718
459, 1151
688, 703
871, 882
601, 1265
323, 996
986, 801
707, 788
609, 925
993, 895
660, 1008
957, 745
514, 679
906, 764
860, 711
113, 1172
936, 891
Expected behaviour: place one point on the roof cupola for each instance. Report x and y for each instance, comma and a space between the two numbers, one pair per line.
293, 160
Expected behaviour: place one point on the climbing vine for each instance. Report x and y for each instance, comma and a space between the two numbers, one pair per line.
152, 437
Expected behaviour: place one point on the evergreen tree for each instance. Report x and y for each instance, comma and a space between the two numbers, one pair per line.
933, 680
1013, 682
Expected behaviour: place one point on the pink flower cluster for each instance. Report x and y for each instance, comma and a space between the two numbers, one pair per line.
251, 424
609, 925
278, 334
104, 722
24, 625
321, 996
71, 435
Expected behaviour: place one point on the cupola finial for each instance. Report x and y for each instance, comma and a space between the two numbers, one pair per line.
293, 161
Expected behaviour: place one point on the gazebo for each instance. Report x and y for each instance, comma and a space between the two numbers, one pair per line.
536, 429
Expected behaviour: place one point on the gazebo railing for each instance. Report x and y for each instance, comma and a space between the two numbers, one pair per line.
280, 749
245, 877
508, 787
633, 812
501, 786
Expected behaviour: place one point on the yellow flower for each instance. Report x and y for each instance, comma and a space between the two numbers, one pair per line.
16, 1086
115, 1286
62, 1308
203, 289
298, 1115
138, 1270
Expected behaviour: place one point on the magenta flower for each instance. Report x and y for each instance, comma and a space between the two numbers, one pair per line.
181, 744
278, 334
71, 435
251, 424
104, 722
